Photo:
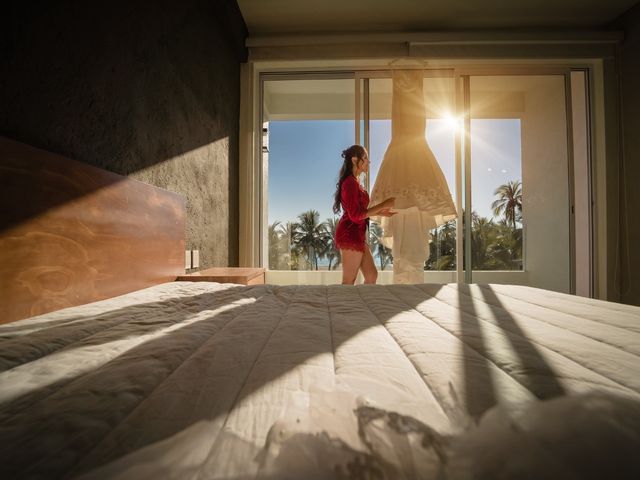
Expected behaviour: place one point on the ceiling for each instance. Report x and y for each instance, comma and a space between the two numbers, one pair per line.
269, 17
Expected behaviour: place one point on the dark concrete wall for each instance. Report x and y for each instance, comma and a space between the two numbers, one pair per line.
147, 89
630, 172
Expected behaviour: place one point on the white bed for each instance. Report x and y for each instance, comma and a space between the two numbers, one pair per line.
187, 380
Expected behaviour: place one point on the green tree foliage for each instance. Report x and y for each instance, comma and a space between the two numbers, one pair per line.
442, 248
331, 252
494, 246
277, 248
311, 236
377, 248
496, 243
509, 202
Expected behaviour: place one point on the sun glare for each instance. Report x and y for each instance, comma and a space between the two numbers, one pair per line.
451, 122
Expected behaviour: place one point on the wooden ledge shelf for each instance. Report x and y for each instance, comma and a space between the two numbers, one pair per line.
240, 275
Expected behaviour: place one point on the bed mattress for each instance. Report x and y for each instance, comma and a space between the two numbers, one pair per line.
208, 380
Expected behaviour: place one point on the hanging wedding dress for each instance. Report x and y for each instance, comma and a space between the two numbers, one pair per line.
410, 173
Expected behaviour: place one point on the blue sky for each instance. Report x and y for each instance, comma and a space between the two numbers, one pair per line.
304, 160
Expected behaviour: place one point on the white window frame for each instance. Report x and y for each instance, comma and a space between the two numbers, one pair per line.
253, 218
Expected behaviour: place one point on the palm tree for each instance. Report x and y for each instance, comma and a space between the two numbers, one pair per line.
331, 251
506, 249
311, 236
275, 246
384, 253
288, 239
509, 201
482, 236
442, 248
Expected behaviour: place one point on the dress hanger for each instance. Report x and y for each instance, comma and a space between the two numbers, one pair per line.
408, 63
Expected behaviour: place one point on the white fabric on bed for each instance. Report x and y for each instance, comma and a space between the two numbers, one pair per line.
186, 380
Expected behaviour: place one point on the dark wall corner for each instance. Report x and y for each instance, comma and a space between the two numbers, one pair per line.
231, 20
148, 89
629, 230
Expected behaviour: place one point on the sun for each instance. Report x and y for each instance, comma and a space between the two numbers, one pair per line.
451, 122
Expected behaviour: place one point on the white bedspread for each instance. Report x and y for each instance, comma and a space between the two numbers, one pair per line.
206, 380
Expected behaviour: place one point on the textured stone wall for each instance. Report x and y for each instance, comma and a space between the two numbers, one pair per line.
147, 89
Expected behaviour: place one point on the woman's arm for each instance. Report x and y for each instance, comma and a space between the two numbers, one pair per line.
351, 203
351, 200
382, 208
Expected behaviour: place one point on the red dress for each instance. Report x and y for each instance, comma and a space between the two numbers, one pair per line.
352, 227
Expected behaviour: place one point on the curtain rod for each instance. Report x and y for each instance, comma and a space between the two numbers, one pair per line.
441, 38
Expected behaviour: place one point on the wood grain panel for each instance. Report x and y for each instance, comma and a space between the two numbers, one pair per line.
71, 233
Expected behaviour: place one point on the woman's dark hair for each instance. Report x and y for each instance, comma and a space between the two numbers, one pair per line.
346, 170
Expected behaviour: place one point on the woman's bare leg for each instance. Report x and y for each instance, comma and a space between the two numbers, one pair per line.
367, 266
351, 260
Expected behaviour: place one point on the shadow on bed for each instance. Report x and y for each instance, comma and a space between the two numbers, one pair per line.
477, 374
24, 343
153, 378
535, 373
478, 317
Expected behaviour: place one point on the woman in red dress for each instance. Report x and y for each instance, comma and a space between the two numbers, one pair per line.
353, 200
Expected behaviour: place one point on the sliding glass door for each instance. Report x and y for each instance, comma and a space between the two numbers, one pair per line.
519, 188
505, 141
440, 133
306, 123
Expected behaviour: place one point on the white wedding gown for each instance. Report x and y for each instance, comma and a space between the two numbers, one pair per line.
410, 173
589, 436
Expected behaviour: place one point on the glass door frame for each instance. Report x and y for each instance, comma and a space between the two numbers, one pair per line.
465, 74
263, 213
462, 77
462, 92
364, 76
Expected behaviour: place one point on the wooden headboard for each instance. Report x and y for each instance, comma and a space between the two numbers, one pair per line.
71, 233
